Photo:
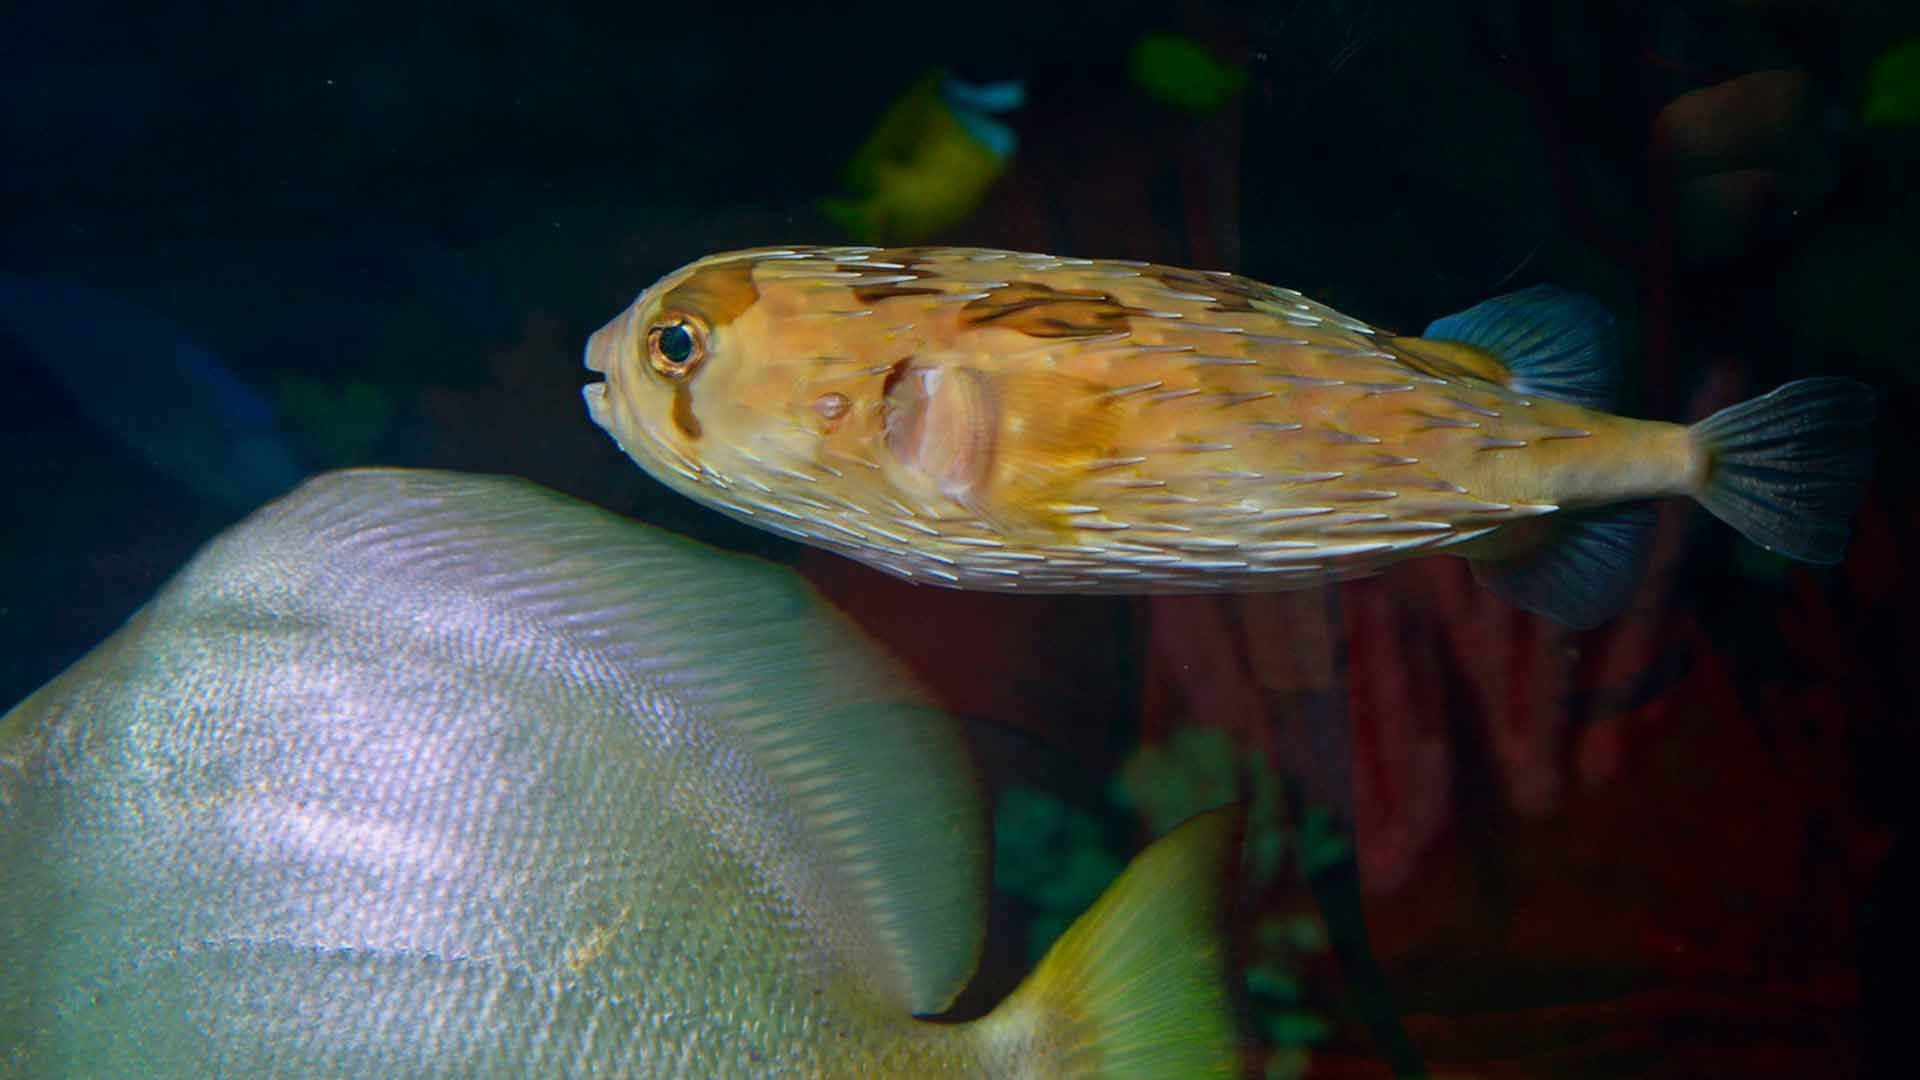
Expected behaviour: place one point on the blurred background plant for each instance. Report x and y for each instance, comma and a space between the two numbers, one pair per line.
1057, 857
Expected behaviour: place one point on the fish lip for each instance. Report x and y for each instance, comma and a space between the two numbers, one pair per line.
599, 346
595, 395
594, 359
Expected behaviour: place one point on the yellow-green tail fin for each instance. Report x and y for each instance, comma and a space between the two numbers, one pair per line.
1136, 987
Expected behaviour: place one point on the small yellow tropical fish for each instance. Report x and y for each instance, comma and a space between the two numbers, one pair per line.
930, 161
1008, 421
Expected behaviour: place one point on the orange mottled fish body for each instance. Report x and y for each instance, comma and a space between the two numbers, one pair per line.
999, 420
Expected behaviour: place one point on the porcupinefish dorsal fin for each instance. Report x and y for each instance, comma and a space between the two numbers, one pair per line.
1554, 342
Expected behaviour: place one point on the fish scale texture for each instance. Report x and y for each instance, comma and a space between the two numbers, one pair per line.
357, 795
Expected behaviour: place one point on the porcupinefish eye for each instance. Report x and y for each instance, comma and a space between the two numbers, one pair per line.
675, 347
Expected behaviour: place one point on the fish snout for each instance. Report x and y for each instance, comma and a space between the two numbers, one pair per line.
599, 357
599, 351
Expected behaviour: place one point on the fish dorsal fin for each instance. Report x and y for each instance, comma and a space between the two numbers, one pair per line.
1556, 343
866, 808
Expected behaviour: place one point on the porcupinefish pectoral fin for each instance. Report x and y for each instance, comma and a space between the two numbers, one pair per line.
1136, 987
996, 444
943, 424
1555, 342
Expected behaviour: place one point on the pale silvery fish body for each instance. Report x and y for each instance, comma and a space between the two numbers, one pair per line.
422, 774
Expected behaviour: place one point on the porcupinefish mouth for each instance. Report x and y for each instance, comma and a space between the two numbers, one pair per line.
594, 356
595, 394
594, 359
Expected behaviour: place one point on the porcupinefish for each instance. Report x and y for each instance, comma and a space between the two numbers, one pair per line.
1008, 421
420, 774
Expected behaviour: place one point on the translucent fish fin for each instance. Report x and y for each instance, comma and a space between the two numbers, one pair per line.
987, 97
863, 797
1583, 576
943, 423
974, 105
1557, 343
1136, 987
888, 791
1000, 140
1789, 469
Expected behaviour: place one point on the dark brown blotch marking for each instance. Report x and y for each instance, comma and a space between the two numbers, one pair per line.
1448, 359
905, 256
1043, 311
873, 294
683, 417
1230, 293
894, 374
717, 295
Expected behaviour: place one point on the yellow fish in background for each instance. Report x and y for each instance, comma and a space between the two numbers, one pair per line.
1021, 422
929, 162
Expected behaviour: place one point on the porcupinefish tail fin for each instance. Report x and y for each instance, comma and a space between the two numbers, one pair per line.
1555, 342
1585, 574
1136, 987
1788, 469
